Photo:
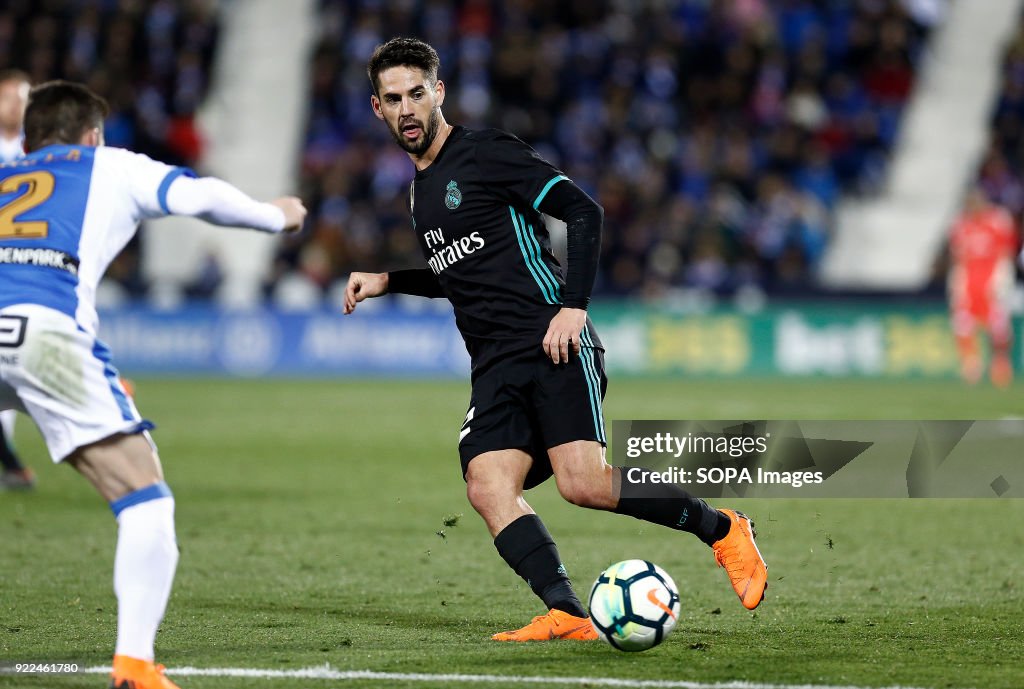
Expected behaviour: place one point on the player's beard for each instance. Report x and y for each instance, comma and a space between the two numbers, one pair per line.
427, 135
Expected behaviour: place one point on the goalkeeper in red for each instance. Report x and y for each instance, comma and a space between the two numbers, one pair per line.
537, 363
982, 246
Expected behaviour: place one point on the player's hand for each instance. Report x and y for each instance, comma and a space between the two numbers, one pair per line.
363, 286
294, 212
563, 332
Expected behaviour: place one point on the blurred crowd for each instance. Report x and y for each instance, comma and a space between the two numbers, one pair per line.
998, 176
149, 58
717, 134
999, 173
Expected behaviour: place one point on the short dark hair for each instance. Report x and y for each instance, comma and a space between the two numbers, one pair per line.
59, 112
403, 52
14, 75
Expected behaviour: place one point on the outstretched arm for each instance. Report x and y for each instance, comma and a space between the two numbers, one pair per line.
420, 282
221, 203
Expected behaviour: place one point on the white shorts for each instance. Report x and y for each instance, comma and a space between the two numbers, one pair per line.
62, 377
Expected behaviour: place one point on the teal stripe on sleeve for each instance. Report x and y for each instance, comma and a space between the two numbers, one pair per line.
549, 296
547, 187
545, 271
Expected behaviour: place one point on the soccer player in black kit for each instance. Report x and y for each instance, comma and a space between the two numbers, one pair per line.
537, 363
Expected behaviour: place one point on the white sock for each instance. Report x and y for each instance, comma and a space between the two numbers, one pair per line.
147, 553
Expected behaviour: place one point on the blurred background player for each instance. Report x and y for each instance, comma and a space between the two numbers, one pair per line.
67, 209
14, 88
982, 246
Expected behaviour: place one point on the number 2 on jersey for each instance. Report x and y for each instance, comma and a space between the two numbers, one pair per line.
40, 188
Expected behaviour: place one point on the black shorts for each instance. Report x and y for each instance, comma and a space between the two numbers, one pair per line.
529, 403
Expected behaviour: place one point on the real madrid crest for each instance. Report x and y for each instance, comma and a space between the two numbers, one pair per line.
452, 196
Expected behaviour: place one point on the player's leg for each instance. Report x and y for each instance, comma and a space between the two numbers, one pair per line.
497, 466
62, 377
963, 315
14, 474
126, 471
993, 311
571, 417
494, 485
569, 404
1000, 332
584, 478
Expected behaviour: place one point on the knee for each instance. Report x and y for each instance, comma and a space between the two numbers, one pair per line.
583, 493
487, 493
480, 495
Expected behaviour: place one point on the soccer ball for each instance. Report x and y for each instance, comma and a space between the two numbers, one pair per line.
634, 604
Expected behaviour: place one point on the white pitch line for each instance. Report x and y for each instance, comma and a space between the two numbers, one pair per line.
326, 672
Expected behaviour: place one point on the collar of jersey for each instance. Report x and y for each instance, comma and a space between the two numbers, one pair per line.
457, 132
54, 148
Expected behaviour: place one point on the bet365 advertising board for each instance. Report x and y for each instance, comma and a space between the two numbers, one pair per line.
398, 339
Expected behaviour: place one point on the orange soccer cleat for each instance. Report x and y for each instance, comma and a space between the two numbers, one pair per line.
555, 625
738, 553
132, 673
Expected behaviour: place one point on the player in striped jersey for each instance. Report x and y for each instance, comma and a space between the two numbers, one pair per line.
537, 364
66, 210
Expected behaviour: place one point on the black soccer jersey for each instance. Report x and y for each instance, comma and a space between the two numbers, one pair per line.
475, 213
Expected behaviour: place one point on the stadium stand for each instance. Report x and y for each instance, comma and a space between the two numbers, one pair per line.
887, 242
718, 136
999, 172
150, 60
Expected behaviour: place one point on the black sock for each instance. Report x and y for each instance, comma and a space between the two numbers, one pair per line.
529, 550
671, 506
8, 459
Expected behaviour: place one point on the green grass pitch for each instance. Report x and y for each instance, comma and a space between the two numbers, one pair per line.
309, 516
